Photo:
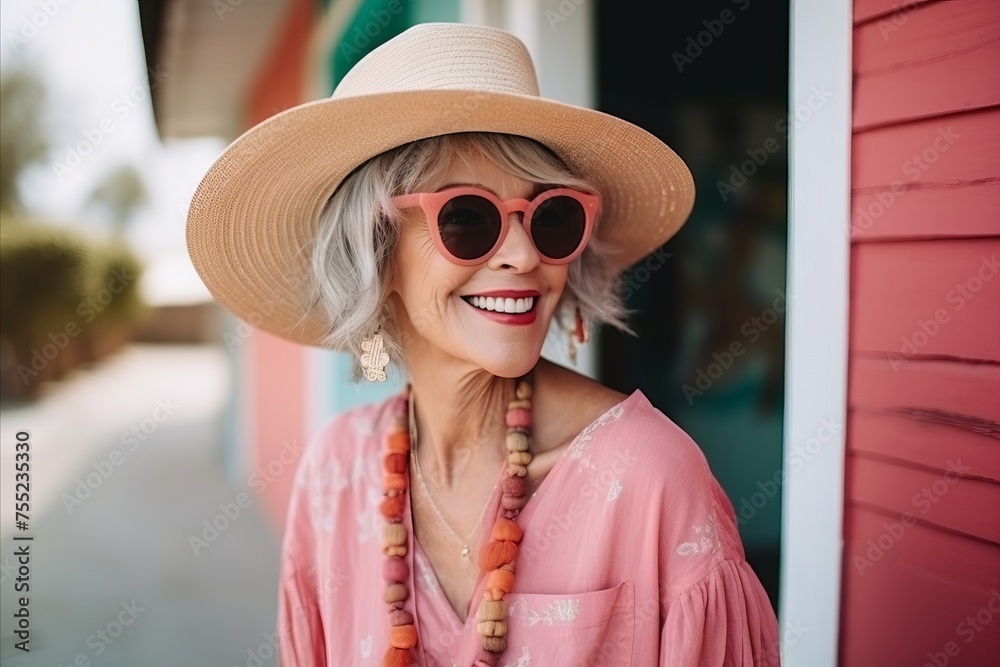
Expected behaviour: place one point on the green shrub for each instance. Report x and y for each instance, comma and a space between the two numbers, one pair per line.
43, 278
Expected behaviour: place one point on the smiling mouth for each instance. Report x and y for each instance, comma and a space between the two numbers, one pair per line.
503, 305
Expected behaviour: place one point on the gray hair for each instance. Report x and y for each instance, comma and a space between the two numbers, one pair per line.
359, 227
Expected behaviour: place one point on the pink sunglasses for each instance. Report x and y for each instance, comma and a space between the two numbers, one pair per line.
469, 224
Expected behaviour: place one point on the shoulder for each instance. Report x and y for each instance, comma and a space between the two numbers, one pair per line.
337, 481
673, 484
349, 437
656, 450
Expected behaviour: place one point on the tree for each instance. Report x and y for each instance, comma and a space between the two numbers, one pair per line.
120, 194
22, 139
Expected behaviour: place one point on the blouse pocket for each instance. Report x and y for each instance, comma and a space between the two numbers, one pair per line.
580, 629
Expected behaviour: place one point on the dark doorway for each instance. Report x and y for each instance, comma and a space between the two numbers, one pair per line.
711, 80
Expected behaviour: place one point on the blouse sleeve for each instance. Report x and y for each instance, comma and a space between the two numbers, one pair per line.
301, 640
723, 620
714, 610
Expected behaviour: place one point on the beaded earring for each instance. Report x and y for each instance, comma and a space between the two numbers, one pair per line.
579, 335
375, 358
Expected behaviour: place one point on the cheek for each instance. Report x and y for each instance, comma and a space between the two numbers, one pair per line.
557, 277
428, 285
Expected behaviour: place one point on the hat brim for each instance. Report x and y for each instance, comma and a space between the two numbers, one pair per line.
254, 215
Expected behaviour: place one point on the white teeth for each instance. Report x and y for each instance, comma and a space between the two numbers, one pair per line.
502, 305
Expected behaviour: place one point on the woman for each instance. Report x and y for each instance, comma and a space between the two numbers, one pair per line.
502, 510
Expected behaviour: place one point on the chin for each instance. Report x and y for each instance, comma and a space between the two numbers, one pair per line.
514, 364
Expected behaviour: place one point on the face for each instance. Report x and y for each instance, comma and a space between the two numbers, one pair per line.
432, 297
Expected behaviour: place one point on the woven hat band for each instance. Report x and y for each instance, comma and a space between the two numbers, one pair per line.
485, 59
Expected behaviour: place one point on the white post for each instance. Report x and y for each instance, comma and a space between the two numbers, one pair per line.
817, 331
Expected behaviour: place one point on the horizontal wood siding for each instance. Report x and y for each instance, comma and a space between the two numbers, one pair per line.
927, 61
921, 577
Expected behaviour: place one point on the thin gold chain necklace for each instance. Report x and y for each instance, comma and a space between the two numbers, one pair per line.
466, 551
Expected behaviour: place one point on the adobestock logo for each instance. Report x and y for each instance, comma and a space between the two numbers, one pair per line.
32, 24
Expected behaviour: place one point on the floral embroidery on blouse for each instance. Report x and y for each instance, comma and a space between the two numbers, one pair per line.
523, 661
558, 611
578, 448
324, 493
366, 646
707, 540
614, 490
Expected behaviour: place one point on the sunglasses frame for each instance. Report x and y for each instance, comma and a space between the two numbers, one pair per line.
433, 202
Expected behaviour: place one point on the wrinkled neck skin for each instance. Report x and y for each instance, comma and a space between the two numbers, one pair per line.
460, 412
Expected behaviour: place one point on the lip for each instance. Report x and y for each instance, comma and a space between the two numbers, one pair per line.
507, 293
508, 318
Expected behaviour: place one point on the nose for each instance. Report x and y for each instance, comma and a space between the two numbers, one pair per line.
517, 251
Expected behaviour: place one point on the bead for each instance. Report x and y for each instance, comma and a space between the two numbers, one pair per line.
505, 529
496, 553
518, 441
519, 417
399, 442
492, 628
492, 610
397, 657
495, 644
400, 617
395, 592
519, 458
395, 569
393, 535
494, 594
392, 507
520, 471
394, 463
520, 403
511, 503
501, 579
394, 481
524, 389
513, 485
403, 636
395, 551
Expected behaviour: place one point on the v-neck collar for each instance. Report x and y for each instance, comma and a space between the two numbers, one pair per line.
443, 605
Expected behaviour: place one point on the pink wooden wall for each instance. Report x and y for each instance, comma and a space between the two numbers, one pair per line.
922, 517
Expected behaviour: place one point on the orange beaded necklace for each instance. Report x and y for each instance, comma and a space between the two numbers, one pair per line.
497, 557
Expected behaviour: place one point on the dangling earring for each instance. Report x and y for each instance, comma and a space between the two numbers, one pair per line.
578, 335
375, 358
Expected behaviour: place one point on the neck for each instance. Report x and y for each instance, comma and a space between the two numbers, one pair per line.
460, 414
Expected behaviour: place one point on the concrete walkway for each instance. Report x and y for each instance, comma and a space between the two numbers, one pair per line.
126, 464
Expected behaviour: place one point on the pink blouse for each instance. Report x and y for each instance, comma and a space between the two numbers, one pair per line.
630, 556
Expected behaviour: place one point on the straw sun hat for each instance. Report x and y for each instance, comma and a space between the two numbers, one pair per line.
255, 213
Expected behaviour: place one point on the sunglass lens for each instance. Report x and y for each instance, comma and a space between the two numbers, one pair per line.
557, 226
469, 225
